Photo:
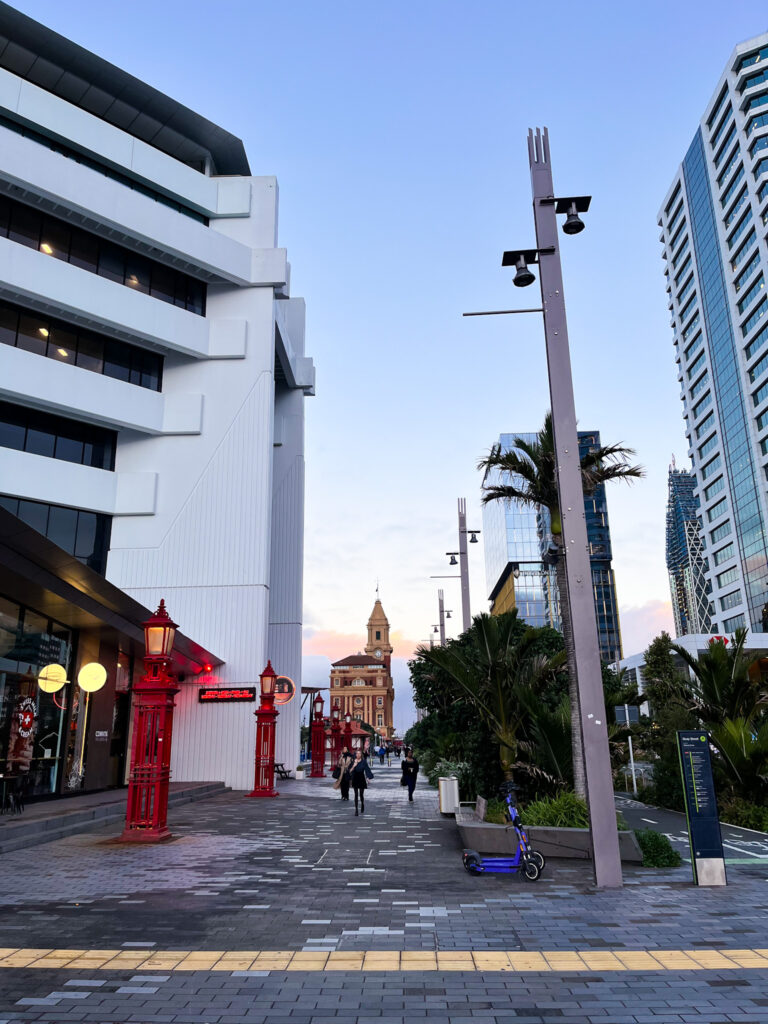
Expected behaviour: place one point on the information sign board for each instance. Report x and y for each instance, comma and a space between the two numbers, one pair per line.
285, 688
701, 808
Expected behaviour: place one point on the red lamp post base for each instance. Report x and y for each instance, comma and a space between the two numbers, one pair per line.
145, 835
263, 792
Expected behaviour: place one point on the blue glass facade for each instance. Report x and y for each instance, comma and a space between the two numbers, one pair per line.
741, 469
516, 533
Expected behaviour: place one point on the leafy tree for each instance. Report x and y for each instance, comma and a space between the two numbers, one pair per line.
721, 684
495, 674
530, 475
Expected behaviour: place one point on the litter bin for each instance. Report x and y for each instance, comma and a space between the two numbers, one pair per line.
448, 789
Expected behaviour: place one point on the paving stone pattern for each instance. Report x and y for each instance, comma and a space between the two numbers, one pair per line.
301, 873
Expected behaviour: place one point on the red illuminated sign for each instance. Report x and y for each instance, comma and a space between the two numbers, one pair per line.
226, 695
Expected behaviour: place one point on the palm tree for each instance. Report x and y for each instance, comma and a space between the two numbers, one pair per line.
499, 665
720, 685
529, 475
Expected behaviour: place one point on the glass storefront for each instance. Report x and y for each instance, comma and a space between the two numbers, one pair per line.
32, 722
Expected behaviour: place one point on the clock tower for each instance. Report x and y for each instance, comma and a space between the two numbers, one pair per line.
378, 635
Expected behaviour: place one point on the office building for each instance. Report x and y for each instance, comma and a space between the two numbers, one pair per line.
713, 232
686, 565
518, 573
152, 383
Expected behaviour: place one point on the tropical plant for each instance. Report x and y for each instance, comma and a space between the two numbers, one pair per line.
721, 685
529, 475
495, 672
743, 746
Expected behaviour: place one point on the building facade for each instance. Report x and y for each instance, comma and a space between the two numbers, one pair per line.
686, 564
518, 573
362, 685
152, 372
713, 232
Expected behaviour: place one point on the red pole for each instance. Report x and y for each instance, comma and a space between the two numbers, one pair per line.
146, 818
266, 716
317, 740
335, 742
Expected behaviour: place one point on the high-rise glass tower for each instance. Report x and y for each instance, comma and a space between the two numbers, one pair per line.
685, 561
517, 537
713, 230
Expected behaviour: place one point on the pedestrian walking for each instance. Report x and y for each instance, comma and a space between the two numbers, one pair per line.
381, 754
410, 771
342, 779
389, 757
359, 773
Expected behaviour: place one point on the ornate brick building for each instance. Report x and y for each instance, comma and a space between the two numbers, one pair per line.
361, 684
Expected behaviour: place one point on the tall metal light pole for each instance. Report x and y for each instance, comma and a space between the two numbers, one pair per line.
597, 763
466, 612
441, 616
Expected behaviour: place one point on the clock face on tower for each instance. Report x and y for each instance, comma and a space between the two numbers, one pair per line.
377, 653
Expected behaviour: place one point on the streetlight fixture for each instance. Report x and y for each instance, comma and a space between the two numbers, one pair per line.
146, 818
602, 814
317, 739
266, 717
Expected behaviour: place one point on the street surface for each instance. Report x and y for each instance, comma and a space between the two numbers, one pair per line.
293, 911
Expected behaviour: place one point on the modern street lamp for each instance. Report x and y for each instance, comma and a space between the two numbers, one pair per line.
266, 717
146, 817
317, 740
463, 562
602, 813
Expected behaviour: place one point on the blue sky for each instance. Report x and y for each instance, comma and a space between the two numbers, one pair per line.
397, 132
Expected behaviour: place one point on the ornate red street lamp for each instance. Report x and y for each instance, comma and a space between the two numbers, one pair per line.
348, 732
153, 696
317, 739
266, 714
335, 737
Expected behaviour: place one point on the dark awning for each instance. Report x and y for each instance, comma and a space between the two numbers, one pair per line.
54, 63
36, 572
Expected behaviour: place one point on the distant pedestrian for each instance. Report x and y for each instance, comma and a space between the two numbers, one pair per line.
389, 757
410, 771
359, 773
344, 764
382, 751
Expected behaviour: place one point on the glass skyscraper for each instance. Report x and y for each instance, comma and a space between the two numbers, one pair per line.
685, 560
713, 230
516, 540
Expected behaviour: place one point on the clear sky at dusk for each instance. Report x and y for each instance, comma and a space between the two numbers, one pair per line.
398, 135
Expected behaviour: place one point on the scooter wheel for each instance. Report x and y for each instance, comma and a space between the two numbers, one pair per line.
538, 858
472, 865
531, 870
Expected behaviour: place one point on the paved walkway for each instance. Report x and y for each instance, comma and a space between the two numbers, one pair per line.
293, 910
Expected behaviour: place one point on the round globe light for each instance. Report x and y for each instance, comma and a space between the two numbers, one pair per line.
92, 677
52, 678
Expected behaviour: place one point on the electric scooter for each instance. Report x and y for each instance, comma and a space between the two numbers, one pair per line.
525, 859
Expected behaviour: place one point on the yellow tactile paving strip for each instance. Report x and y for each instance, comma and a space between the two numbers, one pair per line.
556, 961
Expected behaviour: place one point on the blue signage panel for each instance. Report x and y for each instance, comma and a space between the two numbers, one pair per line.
700, 800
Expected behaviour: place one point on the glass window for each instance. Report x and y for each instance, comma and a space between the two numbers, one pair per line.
731, 625
717, 510
709, 446
757, 342
726, 143
40, 442
729, 192
714, 488
710, 468
85, 540
741, 280
753, 58
744, 251
111, 262
729, 576
9, 324
62, 344
117, 361
84, 251
756, 101
755, 122
25, 225
13, 432
62, 527
69, 449
699, 386
90, 353
55, 239
137, 273
718, 534
34, 514
739, 231
723, 554
730, 600
750, 322
705, 425
33, 334
761, 394
762, 420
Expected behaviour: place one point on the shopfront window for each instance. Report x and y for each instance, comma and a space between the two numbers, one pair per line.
32, 722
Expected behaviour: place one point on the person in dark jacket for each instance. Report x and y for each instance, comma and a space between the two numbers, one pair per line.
344, 764
359, 773
410, 771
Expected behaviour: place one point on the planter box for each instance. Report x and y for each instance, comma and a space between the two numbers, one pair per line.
552, 842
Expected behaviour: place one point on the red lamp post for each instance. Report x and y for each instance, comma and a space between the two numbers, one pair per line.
335, 737
266, 714
317, 740
154, 694
348, 732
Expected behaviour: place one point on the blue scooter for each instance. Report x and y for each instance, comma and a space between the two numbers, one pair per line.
526, 860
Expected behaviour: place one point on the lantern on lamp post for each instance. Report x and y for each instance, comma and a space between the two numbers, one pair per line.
266, 715
348, 732
335, 737
317, 740
146, 818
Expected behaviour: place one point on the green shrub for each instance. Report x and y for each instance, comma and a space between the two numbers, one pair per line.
741, 812
443, 769
496, 812
657, 850
563, 811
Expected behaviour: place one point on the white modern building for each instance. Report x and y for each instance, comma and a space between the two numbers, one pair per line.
713, 231
152, 373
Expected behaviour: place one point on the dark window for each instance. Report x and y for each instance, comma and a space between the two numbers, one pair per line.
34, 514
378, 634
55, 437
66, 344
55, 237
